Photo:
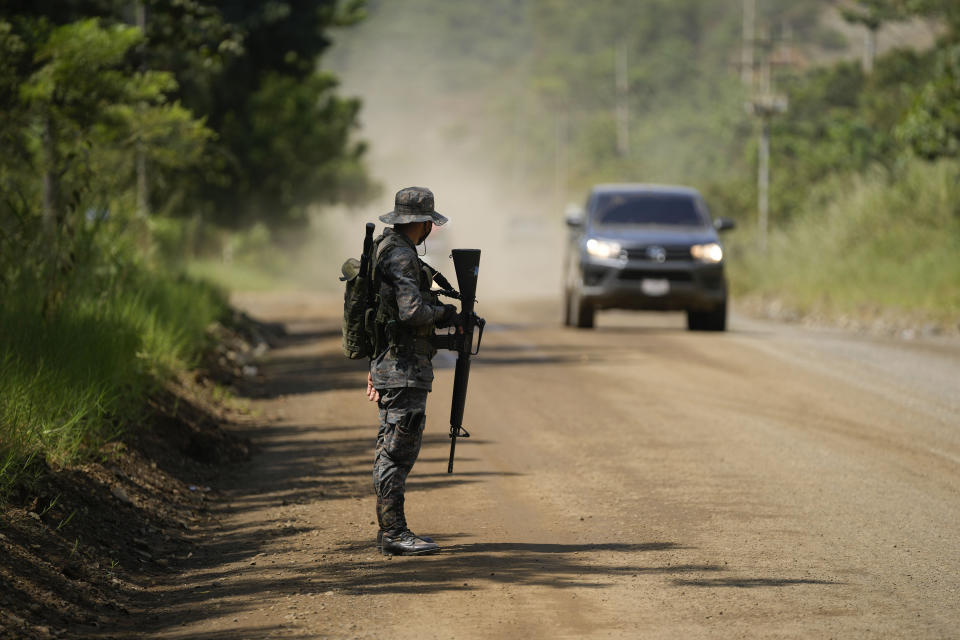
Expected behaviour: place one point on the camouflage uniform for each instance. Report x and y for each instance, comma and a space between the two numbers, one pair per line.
402, 371
408, 310
398, 445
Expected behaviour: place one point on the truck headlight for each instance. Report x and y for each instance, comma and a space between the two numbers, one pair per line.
603, 248
710, 252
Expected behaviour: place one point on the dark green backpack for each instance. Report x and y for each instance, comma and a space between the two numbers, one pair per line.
359, 302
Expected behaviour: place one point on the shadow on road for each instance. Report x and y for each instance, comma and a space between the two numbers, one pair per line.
296, 468
464, 567
458, 568
750, 583
296, 374
291, 372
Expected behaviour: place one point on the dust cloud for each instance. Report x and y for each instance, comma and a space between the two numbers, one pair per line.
420, 134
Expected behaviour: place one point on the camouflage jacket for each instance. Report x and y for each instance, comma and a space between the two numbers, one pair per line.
405, 289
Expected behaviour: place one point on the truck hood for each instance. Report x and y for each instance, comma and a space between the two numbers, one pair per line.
635, 236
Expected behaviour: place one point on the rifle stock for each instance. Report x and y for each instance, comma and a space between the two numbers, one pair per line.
467, 265
365, 256
366, 267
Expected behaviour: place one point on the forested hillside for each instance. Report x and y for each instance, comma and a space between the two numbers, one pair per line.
553, 96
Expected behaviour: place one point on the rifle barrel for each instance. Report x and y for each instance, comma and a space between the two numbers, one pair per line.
467, 264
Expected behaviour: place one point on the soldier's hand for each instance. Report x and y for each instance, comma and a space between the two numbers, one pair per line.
449, 318
372, 394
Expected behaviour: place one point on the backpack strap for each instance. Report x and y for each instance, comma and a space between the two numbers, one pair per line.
383, 245
391, 333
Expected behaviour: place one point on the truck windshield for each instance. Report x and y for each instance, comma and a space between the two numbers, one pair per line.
647, 209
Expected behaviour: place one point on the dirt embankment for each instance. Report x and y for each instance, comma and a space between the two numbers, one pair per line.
80, 545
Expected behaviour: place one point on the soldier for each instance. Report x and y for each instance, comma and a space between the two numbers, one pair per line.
401, 373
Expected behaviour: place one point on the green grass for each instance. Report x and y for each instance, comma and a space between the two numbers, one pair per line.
866, 246
72, 381
238, 276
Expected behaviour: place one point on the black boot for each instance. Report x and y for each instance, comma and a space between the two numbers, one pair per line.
380, 540
406, 543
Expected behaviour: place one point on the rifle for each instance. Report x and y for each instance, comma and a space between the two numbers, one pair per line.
357, 327
467, 264
365, 258
366, 268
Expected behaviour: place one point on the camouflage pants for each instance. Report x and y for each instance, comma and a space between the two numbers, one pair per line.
402, 418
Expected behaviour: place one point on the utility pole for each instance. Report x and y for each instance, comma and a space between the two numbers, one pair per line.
560, 160
869, 50
763, 183
872, 14
623, 104
764, 104
746, 47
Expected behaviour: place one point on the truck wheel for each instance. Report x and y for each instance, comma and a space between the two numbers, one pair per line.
581, 313
715, 320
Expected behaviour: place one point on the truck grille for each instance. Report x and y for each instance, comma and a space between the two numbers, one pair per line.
673, 252
643, 274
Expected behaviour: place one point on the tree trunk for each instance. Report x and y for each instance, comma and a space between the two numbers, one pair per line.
51, 179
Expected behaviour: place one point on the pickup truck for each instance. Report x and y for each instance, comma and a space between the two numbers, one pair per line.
645, 247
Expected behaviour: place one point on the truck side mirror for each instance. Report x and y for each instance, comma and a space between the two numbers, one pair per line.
724, 224
574, 216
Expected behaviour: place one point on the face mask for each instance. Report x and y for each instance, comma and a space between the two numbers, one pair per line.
428, 229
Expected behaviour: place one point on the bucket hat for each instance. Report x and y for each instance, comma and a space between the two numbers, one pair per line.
413, 204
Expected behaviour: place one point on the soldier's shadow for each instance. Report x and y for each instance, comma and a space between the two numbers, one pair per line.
469, 566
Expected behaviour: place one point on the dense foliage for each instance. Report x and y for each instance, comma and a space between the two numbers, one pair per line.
214, 109
282, 133
128, 128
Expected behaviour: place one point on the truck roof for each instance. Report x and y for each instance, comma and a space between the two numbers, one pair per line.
637, 187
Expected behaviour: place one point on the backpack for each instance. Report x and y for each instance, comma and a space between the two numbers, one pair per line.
359, 309
361, 299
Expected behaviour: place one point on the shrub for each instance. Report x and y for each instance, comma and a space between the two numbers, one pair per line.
74, 379
876, 241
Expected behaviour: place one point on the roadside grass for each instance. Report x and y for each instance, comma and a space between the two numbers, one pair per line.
303, 259
866, 246
74, 380
238, 276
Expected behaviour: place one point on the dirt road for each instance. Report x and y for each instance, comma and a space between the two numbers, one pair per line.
632, 481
